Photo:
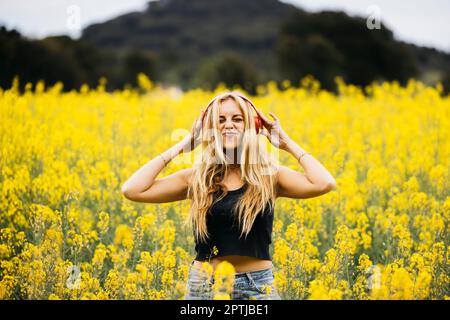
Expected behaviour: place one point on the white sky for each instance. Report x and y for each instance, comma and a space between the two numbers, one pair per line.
417, 21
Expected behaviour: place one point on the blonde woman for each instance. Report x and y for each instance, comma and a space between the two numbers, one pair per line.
233, 189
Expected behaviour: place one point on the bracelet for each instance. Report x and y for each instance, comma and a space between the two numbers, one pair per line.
302, 155
163, 159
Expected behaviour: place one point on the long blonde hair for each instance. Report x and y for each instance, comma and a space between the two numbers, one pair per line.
256, 168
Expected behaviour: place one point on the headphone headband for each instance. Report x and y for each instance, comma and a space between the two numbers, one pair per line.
258, 122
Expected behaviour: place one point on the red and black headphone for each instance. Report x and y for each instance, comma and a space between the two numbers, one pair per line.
258, 120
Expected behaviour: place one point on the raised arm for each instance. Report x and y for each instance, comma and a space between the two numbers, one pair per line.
143, 186
294, 184
167, 189
291, 183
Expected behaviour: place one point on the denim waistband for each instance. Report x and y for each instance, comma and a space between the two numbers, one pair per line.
256, 272
241, 274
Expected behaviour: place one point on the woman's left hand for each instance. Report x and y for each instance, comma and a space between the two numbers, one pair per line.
273, 131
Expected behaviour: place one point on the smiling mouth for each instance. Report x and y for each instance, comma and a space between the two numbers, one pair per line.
229, 134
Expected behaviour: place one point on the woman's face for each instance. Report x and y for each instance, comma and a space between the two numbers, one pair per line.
231, 124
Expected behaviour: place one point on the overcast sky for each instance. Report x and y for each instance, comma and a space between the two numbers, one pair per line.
417, 21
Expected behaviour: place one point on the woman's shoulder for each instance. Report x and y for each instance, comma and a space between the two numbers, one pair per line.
275, 171
187, 174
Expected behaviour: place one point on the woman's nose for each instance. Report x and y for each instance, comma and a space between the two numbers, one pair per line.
229, 124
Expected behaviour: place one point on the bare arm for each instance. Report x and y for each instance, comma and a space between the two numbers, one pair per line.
167, 189
291, 183
315, 182
142, 186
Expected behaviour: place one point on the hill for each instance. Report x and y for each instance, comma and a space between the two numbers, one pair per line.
199, 43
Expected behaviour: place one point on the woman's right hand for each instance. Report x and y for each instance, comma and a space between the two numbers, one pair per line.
193, 139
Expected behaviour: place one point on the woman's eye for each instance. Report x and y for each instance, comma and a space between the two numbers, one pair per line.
236, 119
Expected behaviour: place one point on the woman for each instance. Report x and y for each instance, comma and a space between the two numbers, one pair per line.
233, 190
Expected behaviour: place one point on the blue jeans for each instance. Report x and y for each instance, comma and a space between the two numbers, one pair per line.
246, 285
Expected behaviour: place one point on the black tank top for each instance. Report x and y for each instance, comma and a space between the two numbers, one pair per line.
224, 231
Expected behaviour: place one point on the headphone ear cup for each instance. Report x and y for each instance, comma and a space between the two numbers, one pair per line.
258, 124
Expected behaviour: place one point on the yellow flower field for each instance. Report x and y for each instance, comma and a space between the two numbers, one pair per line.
66, 231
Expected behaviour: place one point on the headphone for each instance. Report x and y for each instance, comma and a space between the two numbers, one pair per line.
257, 119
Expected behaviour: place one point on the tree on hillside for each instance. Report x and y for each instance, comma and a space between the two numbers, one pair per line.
229, 68
327, 44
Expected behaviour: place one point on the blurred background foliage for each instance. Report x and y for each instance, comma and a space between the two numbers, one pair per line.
200, 43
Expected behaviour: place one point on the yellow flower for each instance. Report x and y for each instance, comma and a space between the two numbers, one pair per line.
124, 236
103, 222
364, 262
222, 296
224, 278
144, 82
